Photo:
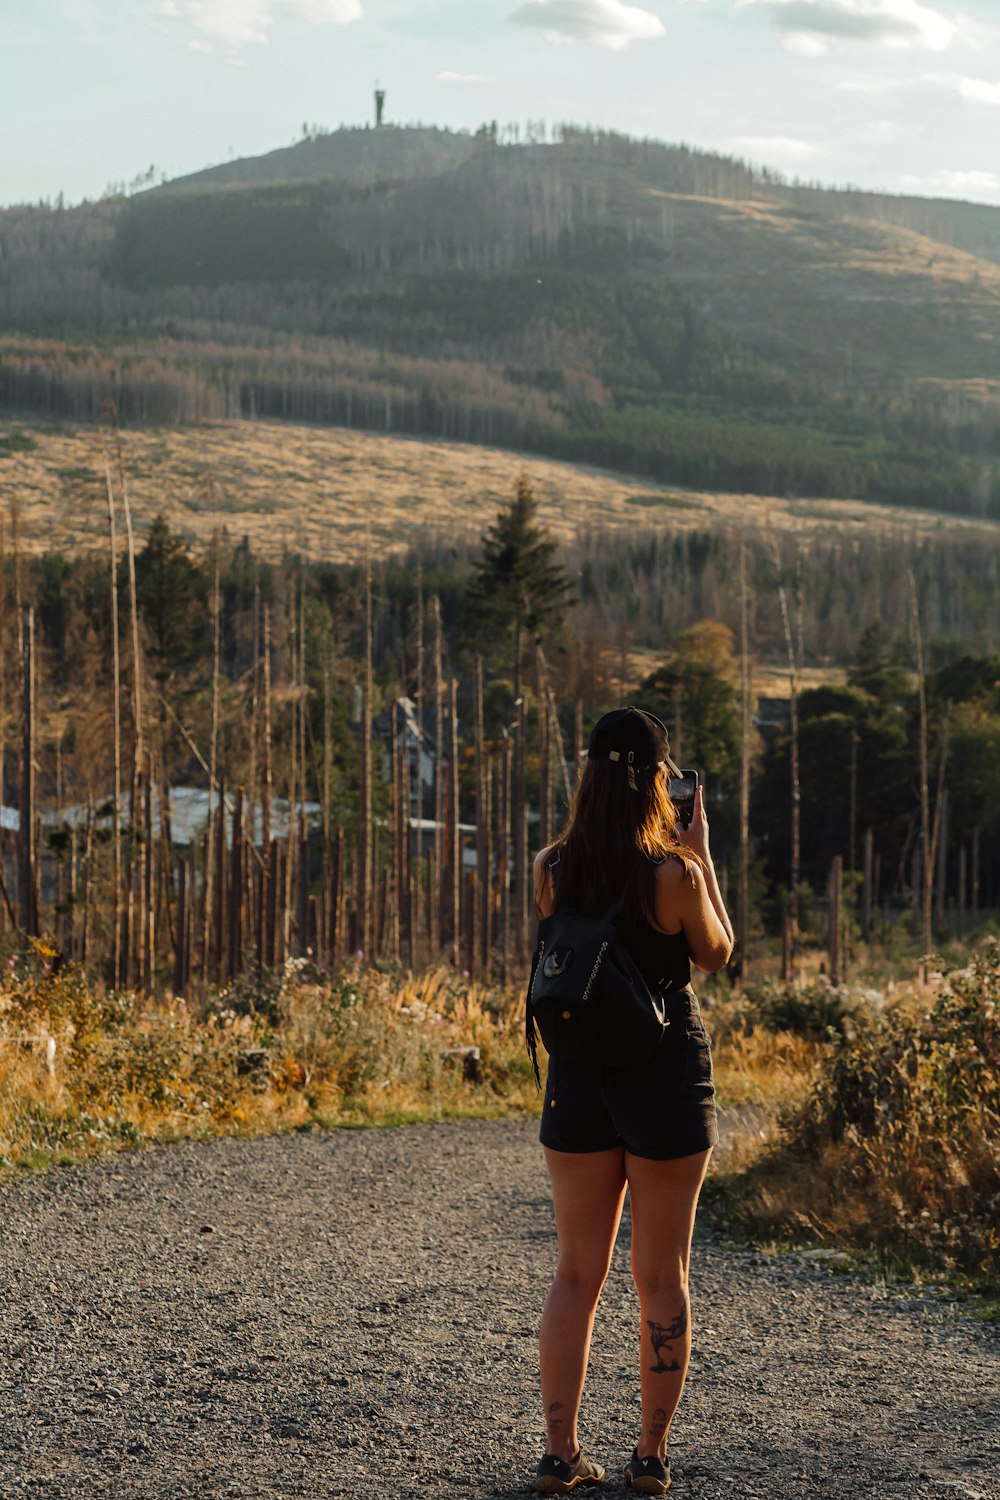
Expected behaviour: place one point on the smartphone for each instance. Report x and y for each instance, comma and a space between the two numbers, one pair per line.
682, 790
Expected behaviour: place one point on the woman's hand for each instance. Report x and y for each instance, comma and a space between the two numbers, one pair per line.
695, 836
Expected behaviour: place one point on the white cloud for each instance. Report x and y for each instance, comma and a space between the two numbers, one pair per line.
608, 23
968, 184
812, 27
447, 76
241, 23
773, 150
979, 91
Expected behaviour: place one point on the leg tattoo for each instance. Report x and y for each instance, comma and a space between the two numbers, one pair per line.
555, 1422
658, 1425
663, 1336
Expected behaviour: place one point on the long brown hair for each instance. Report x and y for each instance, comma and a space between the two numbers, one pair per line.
613, 839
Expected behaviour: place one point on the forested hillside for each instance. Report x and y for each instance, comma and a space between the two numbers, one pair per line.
631, 304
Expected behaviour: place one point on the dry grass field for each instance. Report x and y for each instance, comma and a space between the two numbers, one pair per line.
320, 491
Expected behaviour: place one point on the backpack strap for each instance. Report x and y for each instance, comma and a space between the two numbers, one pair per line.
530, 1036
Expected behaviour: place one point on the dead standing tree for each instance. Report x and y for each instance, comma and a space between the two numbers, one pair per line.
116, 914
746, 726
793, 646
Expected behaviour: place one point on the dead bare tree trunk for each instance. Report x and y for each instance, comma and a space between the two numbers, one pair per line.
480, 950
215, 807
867, 903
793, 895
746, 729
835, 888
519, 871
3, 680
236, 873
414, 843
116, 914
927, 853
27, 874
365, 831
436, 896
544, 763
454, 834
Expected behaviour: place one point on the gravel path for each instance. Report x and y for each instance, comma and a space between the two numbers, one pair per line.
354, 1314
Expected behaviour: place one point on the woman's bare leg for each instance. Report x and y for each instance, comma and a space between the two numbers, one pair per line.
663, 1196
588, 1190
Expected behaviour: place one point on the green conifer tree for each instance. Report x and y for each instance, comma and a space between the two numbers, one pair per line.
519, 593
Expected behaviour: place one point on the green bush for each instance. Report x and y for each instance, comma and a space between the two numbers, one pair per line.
814, 1010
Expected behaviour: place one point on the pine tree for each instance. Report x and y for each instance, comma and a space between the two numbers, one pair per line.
519, 593
171, 591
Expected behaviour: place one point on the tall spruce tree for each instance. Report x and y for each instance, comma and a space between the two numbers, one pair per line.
519, 593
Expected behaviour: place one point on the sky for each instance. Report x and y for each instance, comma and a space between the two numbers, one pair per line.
896, 95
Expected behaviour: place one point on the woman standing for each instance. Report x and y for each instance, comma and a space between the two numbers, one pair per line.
649, 1127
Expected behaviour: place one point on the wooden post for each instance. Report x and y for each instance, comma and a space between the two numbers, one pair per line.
962, 889
867, 893
836, 885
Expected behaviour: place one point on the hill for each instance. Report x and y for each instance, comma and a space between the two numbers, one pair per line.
648, 559
319, 492
621, 302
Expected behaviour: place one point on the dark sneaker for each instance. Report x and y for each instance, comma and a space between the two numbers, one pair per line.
556, 1476
650, 1476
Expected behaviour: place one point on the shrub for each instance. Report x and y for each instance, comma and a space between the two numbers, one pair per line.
897, 1147
814, 1009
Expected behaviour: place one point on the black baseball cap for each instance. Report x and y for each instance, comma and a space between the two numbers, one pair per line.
634, 736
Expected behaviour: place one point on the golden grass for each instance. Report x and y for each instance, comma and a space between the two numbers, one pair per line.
321, 491
82, 1072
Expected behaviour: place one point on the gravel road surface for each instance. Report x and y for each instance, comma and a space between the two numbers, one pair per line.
354, 1314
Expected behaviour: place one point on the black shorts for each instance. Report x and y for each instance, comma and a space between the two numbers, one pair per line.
661, 1110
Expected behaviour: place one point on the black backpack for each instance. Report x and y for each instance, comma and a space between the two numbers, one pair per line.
587, 997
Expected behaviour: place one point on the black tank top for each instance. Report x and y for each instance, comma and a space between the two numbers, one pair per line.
664, 958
